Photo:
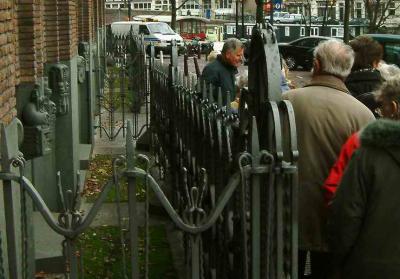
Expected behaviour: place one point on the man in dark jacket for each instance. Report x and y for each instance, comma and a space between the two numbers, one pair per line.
364, 78
221, 72
365, 219
326, 115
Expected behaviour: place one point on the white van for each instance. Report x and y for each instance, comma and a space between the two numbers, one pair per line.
160, 33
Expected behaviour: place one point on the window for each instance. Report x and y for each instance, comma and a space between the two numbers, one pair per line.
108, 6
341, 11
135, 6
307, 42
358, 10
302, 31
392, 9
287, 31
333, 32
143, 30
122, 6
140, 5
115, 6
249, 29
230, 30
314, 31
392, 53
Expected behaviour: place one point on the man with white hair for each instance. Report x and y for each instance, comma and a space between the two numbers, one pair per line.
221, 72
326, 115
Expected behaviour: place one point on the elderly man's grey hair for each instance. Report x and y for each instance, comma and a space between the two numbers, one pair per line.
388, 71
335, 57
231, 44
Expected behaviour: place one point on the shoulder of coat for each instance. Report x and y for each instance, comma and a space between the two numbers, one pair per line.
381, 133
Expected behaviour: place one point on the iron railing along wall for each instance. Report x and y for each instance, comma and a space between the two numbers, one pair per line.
233, 175
196, 135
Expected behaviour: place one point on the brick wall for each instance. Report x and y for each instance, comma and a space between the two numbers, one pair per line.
68, 39
36, 32
8, 62
85, 22
61, 29
30, 40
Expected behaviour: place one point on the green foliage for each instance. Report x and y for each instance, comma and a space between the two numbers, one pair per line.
100, 168
102, 255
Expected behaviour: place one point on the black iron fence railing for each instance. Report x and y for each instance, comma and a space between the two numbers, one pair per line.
233, 174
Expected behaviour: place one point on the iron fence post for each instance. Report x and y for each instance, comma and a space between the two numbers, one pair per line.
255, 204
133, 228
195, 255
9, 206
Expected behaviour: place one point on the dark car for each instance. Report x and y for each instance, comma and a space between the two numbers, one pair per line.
330, 21
300, 52
391, 47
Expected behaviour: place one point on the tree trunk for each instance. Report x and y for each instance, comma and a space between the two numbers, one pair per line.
346, 29
173, 14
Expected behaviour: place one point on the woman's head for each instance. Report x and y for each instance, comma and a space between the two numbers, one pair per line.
368, 52
389, 98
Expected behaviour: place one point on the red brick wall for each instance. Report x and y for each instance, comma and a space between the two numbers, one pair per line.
61, 29
35, 32
85, 22
8, 62
30, 40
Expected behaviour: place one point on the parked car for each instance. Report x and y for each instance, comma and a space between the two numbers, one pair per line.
291, 18
391, 47
277, 16
359, 21
300, 52
330, 21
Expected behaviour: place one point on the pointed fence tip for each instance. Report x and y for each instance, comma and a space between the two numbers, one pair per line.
255, 144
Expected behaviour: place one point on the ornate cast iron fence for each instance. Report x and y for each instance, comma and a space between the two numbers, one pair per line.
205, 149
126, 89
233, 176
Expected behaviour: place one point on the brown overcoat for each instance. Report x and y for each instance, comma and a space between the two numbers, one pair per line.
326, 115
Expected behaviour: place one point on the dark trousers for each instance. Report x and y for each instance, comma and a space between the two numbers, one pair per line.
319, 264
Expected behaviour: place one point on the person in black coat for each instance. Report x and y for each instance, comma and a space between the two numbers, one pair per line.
365, 217
364, 78
222, 71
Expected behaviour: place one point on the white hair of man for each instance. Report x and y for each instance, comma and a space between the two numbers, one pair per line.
231, 44
335, 57
388, 71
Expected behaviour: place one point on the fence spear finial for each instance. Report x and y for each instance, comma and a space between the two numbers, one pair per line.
255, 144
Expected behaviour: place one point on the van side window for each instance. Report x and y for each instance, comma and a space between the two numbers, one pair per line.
143, 30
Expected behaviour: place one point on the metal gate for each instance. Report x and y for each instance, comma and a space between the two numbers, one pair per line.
126, 86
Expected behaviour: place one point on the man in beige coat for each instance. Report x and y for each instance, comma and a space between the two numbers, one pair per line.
326, 115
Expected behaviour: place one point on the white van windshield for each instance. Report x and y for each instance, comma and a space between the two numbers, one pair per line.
162, 28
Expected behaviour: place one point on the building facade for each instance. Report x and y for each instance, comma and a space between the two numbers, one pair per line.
335, 8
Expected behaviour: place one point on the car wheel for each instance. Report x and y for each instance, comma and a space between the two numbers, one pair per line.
291, 62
